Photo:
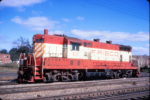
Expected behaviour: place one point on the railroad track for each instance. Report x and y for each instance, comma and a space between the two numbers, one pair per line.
116, 94
9, 84
67, 85
68, 88
143, 95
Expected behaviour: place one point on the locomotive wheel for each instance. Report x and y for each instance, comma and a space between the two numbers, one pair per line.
55, 78
20, 79
45, 79
82, 76
124, 76
112, 76
76, 77
70, 77
116, 75
64, 78
129, 74
20, 76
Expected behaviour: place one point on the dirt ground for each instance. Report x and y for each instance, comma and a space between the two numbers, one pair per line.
8, 73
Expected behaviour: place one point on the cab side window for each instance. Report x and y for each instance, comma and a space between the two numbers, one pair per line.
75, 46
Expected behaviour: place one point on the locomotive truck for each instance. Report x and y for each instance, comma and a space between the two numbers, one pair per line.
62, 58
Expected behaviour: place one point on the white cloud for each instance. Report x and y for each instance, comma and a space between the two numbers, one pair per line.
147, 45
66, 20
57, 32
5, 40
140, 50
80, 18
21, 9
19, 3
17, 20
115, 36
35, 12
36, 23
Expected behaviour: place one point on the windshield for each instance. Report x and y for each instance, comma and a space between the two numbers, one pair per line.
39, 40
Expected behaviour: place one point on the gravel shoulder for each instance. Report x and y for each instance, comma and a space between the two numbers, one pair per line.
91, 86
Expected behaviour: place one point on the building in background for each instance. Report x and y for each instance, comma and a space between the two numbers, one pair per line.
5, 58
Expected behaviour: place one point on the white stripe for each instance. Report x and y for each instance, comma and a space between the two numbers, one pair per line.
56, 50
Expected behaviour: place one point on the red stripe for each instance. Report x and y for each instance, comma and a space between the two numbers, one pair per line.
54, 39
64, 63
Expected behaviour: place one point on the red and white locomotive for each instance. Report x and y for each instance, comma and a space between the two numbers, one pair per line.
62, 58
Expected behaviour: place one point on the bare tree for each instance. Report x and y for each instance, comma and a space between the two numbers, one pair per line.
23, 45
142, 61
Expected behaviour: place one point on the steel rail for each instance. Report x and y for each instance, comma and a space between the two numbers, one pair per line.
15, 84
116, 94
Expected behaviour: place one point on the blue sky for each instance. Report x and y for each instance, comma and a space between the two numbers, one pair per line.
122, 21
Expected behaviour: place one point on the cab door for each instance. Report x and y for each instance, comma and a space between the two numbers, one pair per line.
65, 48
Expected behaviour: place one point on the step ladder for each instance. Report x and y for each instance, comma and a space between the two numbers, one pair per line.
38, 73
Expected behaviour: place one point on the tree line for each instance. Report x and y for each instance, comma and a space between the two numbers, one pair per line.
21, 45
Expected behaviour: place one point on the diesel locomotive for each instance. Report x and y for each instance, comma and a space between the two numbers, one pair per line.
62, 58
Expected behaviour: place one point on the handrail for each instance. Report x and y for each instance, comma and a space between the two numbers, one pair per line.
34, 63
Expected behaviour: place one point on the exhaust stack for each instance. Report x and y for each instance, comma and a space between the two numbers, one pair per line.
45, 31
